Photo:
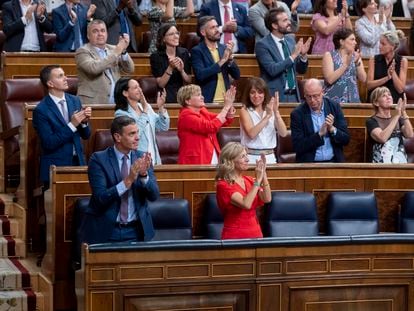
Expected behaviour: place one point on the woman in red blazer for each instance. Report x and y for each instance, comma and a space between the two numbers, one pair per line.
238, 195
197, 128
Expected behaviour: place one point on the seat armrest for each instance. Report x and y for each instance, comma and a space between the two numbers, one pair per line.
10, 133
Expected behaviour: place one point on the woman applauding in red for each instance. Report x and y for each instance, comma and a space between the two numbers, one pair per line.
238, 196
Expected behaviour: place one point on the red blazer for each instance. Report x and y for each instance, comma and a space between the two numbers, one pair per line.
197, 133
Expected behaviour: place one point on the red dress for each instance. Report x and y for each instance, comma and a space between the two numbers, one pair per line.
239, 223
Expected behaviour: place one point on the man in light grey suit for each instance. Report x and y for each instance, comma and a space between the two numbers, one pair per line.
100, 65
257, 13
280, 57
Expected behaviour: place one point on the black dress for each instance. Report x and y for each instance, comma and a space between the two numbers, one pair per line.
381, 70
159, 63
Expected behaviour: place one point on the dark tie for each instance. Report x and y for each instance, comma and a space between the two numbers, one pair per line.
227, 35
76, 29
289, 75
123, 212
64, 110
122, 20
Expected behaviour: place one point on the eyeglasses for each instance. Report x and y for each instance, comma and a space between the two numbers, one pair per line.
173, 33
315, 96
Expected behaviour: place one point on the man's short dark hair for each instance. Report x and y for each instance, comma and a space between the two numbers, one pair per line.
202, 21
45, 74
119, 123
271, 17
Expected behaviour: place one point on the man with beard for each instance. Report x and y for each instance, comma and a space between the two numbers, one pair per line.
213, 62
280, 57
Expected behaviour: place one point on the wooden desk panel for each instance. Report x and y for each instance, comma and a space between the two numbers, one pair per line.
388, 182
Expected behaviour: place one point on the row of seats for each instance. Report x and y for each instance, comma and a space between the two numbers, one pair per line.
294, 214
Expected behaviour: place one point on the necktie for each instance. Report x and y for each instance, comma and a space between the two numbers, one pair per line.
123, 212
64, 110
76, 29
227, 35
289, 75
122, 20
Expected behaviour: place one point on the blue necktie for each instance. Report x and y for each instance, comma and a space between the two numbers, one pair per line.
76, 29
123, 211
122, 20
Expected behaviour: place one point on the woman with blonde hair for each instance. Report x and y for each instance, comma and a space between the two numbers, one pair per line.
238, 195
260, 121
386, 130
197, 127
388, 68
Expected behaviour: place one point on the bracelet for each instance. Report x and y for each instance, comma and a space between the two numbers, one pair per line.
265, 185
257, 184
405, 118
168, 73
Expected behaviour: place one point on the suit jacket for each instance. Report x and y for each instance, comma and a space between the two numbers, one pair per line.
105, 10
101, 215
206, 70
244, 31
65, 32
13, 27
197, 133
273, 67
56, 138
257, 13
304, 139
94, 84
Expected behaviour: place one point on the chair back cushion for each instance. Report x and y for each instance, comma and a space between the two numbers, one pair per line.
284, 149
168, 144
213, 219
103, 140
225, 135
149, 87
406, 219
171, 219
292, 214
351, 213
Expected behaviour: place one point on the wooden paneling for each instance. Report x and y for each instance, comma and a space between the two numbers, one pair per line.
330, 276
388, 182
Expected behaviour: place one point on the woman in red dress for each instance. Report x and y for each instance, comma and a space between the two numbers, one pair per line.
238, 195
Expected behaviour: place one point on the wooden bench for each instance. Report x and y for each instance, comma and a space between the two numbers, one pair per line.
388, 182
347, 273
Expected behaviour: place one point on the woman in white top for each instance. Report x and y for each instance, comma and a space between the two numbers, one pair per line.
259, 121
372, 25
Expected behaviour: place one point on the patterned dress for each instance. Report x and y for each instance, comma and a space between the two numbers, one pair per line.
345, 89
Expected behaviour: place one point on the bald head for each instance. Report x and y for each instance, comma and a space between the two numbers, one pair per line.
313, 94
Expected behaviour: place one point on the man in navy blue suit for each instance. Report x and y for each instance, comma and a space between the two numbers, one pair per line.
69, 24
122, 181
280, 57
236, 28
60, 123
213, 62
319, 129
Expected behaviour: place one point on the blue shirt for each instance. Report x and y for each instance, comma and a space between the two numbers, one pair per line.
324, 152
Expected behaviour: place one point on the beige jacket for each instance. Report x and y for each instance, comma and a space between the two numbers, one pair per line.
94, 85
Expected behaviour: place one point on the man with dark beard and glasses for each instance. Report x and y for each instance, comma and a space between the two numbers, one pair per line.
280, 57
213, 62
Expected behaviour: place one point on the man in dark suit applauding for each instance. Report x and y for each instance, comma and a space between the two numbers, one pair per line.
122, 180
213, 62
60, 122
69, 24
280, 57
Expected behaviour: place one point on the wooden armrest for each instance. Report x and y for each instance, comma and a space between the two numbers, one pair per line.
10, 133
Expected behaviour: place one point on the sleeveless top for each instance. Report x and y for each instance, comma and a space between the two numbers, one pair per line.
381, 70
345, 89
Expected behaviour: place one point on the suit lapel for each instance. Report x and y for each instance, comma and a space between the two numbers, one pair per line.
308, 119
114, 164
215, 11
273, 48
206, 51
